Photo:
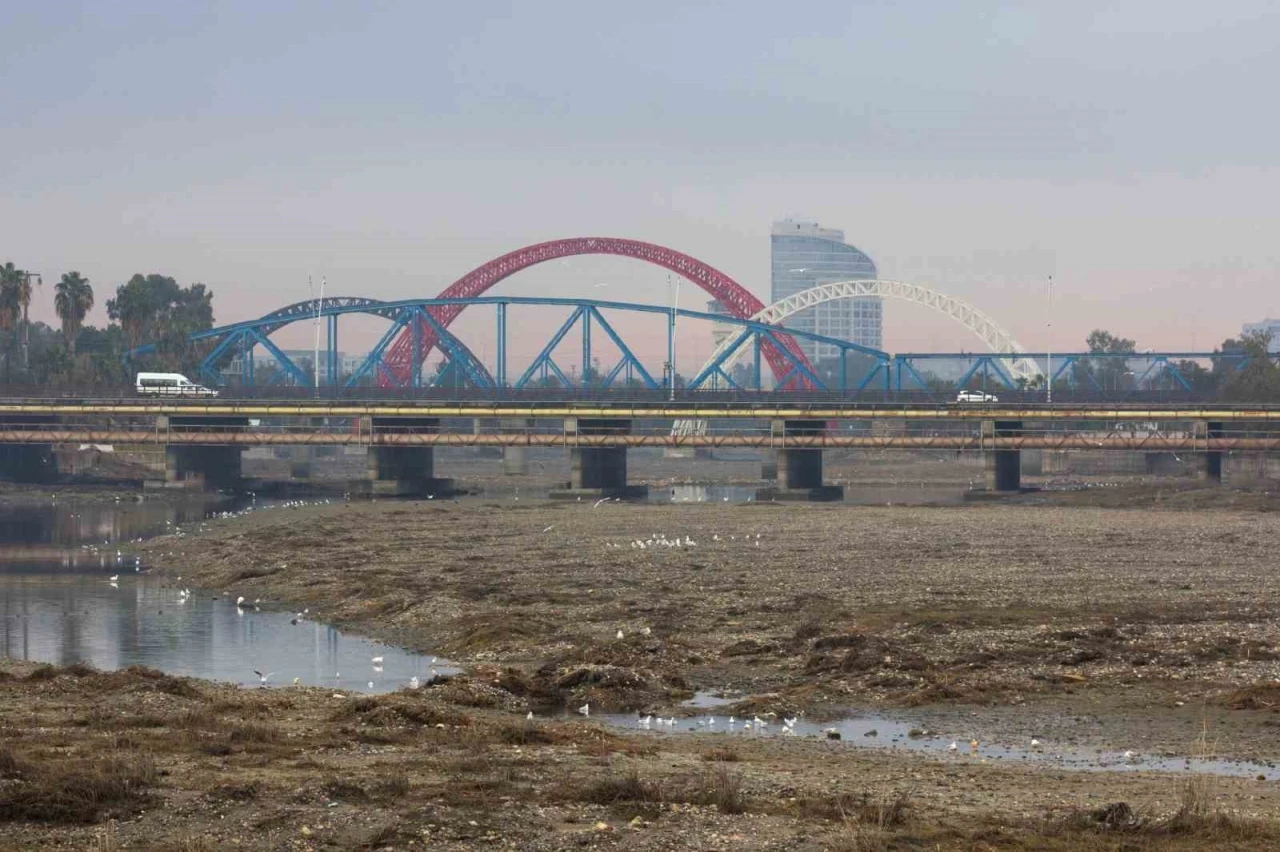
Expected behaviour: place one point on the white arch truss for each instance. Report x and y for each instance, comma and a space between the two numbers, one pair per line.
988, 331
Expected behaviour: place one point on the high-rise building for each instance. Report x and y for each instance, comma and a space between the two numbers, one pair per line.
1271, 325
805, 255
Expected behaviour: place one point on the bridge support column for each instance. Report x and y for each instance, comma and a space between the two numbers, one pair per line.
193, 466
799, 469
28, 462
1212, 459
597, 470
1161, 464
1004, 467
404, 470
200, 466
515, 459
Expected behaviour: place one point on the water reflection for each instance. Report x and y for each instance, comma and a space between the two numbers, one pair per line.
919, 734
57, 605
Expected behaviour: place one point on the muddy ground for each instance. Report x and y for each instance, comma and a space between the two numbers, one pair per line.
1143, 622
139, 760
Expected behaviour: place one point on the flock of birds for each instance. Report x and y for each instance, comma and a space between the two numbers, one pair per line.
660, 540
710, 723
376, 663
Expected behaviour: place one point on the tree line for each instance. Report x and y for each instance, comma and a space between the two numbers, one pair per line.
149, 308
1240, 369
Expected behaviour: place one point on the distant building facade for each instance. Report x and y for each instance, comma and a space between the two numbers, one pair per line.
1271, 325
804, 255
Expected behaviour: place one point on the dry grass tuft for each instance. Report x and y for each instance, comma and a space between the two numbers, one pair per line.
628, 787
78, 791
721, 755
42, 672
10, 766
530, 733
723, 788
1262, 696
252, 732
880, 811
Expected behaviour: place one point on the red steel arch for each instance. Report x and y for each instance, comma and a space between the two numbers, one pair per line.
736, 299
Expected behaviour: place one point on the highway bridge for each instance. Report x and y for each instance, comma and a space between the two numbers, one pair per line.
752, 336
203, 438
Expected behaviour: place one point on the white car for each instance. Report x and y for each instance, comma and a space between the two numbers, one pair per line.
975, 396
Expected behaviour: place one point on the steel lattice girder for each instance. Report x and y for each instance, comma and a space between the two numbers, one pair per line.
734, 297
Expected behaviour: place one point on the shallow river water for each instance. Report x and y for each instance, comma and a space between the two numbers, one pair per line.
58, 604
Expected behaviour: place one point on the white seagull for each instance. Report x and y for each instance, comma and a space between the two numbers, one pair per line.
585, 709
262, 678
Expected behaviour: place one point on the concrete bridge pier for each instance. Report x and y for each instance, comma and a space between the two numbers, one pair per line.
515, 459
1004, 467
200, 466
406, 469
598, 470
1212, 459
196, 466
799, 469
28, 462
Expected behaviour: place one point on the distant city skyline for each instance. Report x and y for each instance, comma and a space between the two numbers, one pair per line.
974, 148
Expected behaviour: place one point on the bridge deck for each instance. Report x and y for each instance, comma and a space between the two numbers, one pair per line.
625, 409
973, 441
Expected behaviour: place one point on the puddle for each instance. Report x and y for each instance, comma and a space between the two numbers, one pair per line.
895, 733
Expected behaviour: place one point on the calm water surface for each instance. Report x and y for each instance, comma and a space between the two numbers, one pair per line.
59, 605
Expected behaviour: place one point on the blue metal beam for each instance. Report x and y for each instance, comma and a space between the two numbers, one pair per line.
544, 357
629, 360
717, 365
457, 354
373, 360
284, 361
799, 367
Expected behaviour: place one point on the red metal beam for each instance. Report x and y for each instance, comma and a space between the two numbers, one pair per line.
736, 299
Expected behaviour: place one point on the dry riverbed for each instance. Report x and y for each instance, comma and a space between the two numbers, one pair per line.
1147, 629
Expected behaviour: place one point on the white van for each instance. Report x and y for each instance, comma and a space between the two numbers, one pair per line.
170, 384
975, 396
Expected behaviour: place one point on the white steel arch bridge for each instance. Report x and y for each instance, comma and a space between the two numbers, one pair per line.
986, 329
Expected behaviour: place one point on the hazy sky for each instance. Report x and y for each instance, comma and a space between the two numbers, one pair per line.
1127, 149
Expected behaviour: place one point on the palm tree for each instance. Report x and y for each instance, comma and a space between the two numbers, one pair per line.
12, 280
24, 299
72, 300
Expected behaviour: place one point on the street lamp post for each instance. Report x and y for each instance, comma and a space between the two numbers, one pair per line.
671, 354
1048, 349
